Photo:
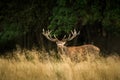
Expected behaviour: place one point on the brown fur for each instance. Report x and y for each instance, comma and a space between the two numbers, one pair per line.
81, 50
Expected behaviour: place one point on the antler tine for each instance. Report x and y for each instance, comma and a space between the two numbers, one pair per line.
64, 38
47, 34
56, 37
74, 34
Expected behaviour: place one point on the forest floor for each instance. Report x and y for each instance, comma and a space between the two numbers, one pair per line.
38, 65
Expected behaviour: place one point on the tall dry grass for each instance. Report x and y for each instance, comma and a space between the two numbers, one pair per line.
37, 65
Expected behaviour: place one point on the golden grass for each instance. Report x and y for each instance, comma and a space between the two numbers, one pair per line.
35, 65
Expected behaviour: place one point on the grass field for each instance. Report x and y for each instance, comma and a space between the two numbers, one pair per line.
31, 65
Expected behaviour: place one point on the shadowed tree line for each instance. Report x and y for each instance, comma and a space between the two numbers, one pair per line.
22, 21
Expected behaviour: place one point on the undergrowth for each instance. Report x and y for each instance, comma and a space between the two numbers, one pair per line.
40, 65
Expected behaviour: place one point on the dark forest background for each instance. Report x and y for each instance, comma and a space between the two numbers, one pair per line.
22, 21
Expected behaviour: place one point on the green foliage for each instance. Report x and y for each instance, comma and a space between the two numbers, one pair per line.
111, 21
10, 32
95, 14
21, 21
67, 13
21, 17
63, 19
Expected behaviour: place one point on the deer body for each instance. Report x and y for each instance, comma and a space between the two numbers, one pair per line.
73, 50
79, 50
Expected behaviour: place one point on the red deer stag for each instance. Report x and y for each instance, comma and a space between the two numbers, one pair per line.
73, 50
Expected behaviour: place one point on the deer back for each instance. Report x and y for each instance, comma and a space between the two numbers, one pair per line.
82, 50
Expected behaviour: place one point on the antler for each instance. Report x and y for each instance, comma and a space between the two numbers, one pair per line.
47, 34
70, 37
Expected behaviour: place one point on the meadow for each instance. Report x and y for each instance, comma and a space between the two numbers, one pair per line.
38, 65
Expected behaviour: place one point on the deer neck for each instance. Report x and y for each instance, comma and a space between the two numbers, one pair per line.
62, 50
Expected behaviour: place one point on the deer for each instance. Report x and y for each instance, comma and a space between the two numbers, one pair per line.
71, 50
